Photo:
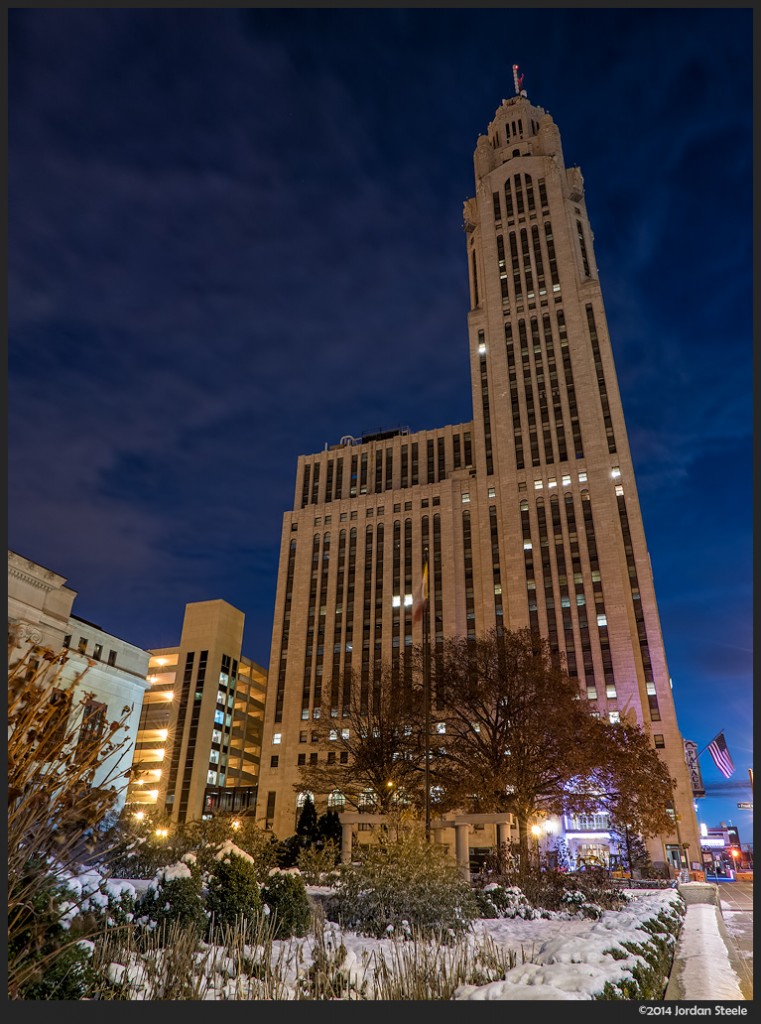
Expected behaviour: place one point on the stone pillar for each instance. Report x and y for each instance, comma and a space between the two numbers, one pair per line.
346, 832
462, 828
503, 833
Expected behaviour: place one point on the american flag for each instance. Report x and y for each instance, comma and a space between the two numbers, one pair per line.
421, 600
719, 751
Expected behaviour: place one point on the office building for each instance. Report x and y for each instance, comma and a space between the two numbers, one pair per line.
199, 737
529, 512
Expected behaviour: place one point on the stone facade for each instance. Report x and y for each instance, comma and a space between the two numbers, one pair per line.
40, 613
529, 513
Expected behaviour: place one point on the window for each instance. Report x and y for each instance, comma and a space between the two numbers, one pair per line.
97, 652
301, 760
582, 478
82, 645
277, 738
465, 498
614, 716
211, 778
492, 493
112, 657
67, 640
659, 741
566, 481
615, 472
274, 761
313, 758
538, 485
91, 730
302, 737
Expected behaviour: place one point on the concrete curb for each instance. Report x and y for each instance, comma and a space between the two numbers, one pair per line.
695, 959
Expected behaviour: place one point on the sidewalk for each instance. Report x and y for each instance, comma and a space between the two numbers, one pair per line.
707, 963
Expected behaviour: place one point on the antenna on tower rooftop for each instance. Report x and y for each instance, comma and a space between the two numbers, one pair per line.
518, 80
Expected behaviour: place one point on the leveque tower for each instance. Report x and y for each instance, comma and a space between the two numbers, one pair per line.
529, 511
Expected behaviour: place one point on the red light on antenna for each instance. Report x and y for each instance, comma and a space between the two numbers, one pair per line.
515, 67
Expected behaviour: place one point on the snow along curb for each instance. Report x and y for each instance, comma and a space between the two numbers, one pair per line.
706, 961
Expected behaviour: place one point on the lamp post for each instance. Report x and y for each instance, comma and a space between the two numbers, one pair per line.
536, 831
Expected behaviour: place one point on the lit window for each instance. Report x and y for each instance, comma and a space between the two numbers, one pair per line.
408, 599
396, 601
615, 472
527, 546
465, 498
650, 687
344, 734
566, 481
492, 493
582, 478
276, 738
565, 602
591, 693
610, 690
602, 620
497, 588
580, 600
211, 778
441, 727
214, 756
552, 482
482, 349
614, 716
619, 491
538, 485
333, 734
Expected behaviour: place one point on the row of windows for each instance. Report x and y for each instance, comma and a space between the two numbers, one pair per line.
372, 472
541, 388
97, 652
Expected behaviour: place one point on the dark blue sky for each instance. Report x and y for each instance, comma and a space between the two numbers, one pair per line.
235, 235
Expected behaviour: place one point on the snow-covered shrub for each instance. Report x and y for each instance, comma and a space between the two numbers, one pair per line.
504, 901
55, 964
577, 903
402, 883
651, 960
174, 896
233, 889
286, 896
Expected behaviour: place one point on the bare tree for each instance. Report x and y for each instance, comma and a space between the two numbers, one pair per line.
632, 784
373, 751
512, 733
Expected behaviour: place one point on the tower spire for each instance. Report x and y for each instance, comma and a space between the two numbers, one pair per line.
518, 80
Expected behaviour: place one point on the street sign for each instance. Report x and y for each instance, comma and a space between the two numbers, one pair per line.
745, 807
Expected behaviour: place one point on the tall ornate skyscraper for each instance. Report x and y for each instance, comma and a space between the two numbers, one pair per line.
529, 512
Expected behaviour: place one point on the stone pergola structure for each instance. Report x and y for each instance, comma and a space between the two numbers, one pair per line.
461, 823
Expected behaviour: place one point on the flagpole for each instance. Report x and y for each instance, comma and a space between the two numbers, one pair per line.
427, 709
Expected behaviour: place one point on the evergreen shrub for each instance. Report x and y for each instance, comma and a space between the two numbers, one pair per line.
400, 885
286, 896
233, 890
